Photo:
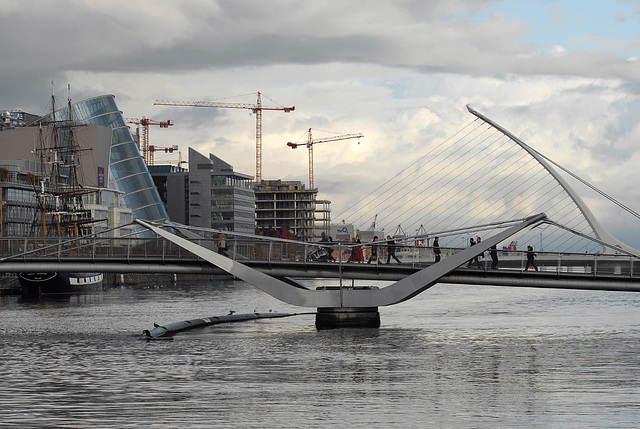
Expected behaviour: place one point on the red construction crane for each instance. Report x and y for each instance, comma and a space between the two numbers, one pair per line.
153, 149
310, 142
143, 140
255, 108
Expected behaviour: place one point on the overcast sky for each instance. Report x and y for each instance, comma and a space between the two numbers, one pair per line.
564, 76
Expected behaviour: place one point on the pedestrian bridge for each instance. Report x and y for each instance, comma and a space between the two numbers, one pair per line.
279, 266
287, 259
487, 176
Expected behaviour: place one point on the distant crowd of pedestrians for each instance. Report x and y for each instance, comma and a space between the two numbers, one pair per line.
376, 249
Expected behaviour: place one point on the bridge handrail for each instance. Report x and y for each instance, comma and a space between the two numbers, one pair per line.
272, 251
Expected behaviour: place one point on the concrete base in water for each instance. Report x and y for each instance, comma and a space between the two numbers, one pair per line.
343, 317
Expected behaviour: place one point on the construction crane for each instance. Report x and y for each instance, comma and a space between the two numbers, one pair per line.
255, 108
143, 140
373, 224
311, 141
153, 149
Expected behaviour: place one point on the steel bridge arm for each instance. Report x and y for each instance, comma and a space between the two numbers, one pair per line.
277, 288
599, 231
345, 297
416, 283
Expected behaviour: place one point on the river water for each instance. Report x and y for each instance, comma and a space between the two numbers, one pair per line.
454, 356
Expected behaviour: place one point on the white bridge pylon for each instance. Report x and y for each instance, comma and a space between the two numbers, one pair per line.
344, 297
602, 235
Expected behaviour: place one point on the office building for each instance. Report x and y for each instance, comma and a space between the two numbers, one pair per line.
209, 195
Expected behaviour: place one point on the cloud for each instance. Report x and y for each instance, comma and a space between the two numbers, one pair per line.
150, 37
399, 72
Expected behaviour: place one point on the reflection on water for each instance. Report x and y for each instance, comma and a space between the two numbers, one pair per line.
456, 356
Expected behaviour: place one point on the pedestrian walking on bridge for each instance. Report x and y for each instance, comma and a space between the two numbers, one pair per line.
531, 259
222, 244
475, 258
436, 249
391, 250
374, 251
494, 256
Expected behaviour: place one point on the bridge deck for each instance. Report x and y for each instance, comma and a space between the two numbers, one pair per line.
562, 270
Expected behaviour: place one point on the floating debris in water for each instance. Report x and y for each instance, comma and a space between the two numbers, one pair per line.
165, 332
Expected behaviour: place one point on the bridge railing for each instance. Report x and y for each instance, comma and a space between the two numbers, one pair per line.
30, 248
564, 262
560, 262
279, 250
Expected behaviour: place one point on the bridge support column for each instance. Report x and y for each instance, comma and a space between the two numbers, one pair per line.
347, 317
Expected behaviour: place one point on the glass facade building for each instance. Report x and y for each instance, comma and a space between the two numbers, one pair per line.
127, 169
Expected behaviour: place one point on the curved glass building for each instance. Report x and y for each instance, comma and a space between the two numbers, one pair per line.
127, 169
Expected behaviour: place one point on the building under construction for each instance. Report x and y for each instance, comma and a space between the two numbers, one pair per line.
287, 204
322, 218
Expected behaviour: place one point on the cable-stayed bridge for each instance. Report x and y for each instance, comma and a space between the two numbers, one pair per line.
279, 266
483, 181
480, 175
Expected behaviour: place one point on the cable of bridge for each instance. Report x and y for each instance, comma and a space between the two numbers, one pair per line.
373, 193
471, 178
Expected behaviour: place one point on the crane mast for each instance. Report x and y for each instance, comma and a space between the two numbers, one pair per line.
255, 108
311, 142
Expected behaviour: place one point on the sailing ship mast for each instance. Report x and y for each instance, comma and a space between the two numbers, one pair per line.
59, 193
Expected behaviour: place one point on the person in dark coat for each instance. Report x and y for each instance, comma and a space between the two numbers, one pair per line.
475, 258
494, 256
374, 251
328, 249
391, 250
360, 251
436, 249
531, 259
354, 251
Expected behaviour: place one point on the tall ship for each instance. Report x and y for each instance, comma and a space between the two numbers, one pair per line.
60, 213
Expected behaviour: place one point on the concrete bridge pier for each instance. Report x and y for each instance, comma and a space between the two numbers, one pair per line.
347, 317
